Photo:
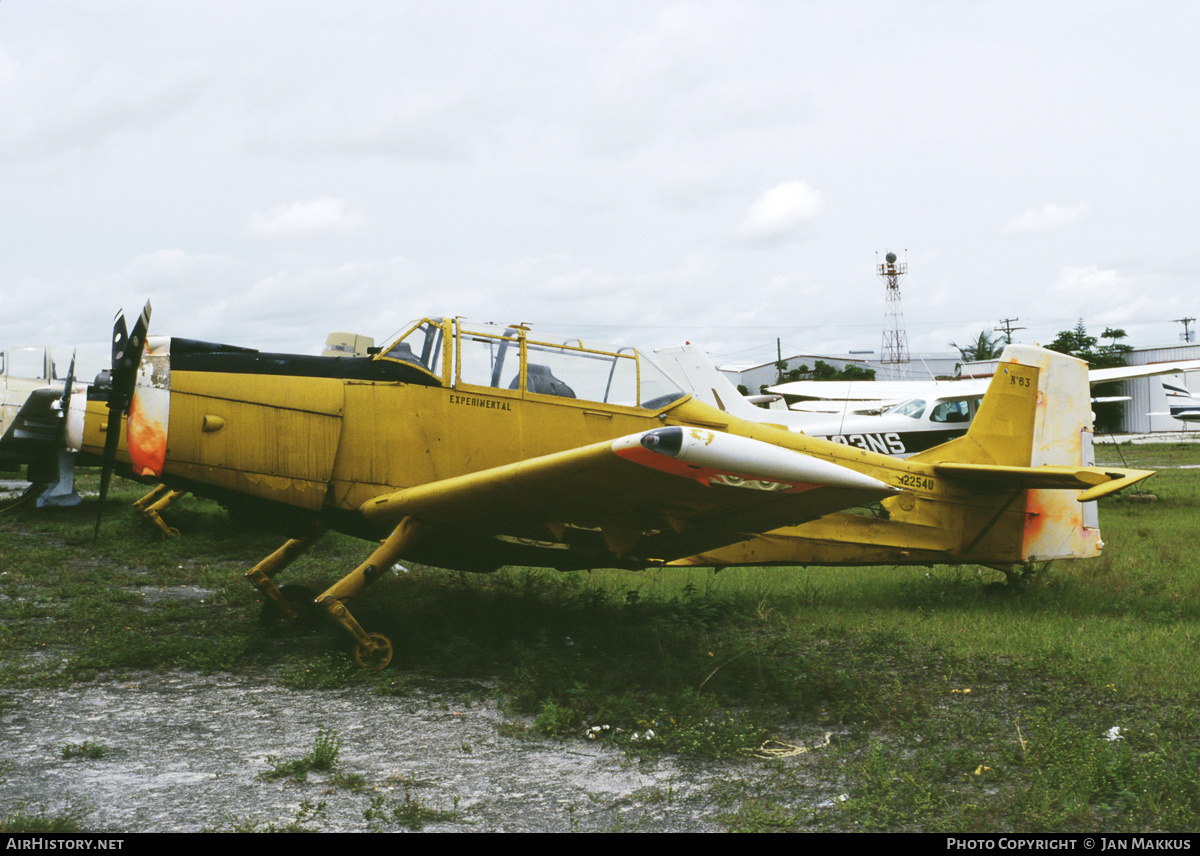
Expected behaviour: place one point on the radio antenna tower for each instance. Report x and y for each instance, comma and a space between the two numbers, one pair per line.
895, 340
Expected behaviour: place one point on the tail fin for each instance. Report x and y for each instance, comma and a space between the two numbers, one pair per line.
691, 368
1033, 433
1037, 411
1014, 489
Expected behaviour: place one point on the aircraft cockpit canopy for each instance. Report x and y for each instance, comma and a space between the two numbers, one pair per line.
463, 354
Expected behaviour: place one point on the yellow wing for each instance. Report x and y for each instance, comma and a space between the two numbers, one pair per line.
643, 498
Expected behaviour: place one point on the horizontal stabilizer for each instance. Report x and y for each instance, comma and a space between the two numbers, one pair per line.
1095, 482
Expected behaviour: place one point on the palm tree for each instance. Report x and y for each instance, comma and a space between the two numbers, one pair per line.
985, 347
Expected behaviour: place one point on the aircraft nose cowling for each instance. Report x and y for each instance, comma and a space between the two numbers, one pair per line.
709, 456
150, 410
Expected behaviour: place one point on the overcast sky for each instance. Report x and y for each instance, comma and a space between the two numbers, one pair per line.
725, 173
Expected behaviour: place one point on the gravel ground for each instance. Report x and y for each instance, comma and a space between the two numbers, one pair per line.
187, 752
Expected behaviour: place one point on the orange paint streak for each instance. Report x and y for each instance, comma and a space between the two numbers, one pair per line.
704, 475
147, 441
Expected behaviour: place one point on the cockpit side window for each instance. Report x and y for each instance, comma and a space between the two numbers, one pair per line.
656, 387
598, 373
506, 359
577, 372
950, 411
489, 359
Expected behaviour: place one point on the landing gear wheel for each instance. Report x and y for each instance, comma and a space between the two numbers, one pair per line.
308, 613
374, 660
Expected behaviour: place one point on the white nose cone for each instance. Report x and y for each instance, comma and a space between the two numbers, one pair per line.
716, 457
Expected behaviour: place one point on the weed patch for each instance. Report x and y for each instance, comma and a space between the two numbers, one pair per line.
410, 813
323, 757
20, 819
88, 749
306, 814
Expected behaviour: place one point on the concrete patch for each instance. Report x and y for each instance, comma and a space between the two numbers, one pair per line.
186, 751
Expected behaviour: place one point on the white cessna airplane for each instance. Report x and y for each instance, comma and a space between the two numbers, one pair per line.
897, 418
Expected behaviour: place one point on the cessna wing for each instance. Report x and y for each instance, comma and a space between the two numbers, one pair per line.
862, 393
1117, 373
892, 392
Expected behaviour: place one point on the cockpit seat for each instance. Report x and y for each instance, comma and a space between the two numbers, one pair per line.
541, 380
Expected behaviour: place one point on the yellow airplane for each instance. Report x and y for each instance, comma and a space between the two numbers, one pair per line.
471, 446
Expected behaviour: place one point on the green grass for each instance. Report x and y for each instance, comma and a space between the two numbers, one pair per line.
20, 819
89, 749
323, 757
410, 813
951, 706
307, 813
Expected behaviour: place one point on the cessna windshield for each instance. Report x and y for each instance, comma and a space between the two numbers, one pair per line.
914, 408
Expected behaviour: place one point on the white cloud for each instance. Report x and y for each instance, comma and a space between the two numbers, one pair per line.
781, 214
324, 215
1047, 218
1103, 296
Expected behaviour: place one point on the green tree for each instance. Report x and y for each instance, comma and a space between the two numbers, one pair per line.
1078, 343
853, 372
823, 371
985, 347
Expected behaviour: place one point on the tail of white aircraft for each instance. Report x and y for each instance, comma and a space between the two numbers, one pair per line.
691, 368
1184, 406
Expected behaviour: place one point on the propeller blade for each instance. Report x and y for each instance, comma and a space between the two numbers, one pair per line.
126, 356
66, 399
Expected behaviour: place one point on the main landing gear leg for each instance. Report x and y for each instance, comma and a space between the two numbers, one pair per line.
372, 650
154, 502
260, 575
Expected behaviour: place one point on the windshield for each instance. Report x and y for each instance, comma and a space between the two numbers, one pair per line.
420, 346
913, 408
